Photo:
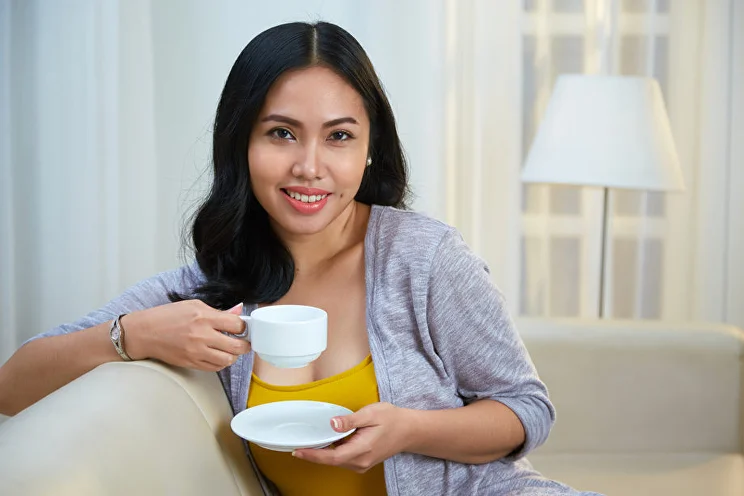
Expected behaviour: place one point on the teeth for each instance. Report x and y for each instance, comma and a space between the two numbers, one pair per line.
305, 198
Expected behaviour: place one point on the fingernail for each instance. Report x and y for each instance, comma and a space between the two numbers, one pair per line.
296, 455
237, 306
336, 423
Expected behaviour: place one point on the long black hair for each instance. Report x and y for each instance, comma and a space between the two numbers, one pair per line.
238, 252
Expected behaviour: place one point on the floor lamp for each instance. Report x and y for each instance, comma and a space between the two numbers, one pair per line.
607, 132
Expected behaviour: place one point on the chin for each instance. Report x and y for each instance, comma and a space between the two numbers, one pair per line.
303, 225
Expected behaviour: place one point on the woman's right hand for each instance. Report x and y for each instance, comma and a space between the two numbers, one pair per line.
186, 334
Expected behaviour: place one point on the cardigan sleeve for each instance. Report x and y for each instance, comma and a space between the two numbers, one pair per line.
478, 343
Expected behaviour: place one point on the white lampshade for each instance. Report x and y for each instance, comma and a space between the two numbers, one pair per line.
608, 131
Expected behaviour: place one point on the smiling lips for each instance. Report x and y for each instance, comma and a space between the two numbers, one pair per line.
306, 200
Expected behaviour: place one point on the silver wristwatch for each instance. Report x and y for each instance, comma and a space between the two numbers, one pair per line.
116, 333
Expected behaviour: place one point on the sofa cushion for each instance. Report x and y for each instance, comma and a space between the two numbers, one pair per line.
689, 474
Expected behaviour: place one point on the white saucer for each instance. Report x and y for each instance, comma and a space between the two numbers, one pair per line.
290, 425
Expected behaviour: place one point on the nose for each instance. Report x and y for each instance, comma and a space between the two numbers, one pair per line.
307, 165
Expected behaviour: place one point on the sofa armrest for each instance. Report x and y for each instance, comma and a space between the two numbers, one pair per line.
640, 386
127, 428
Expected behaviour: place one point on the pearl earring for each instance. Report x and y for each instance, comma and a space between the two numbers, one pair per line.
369, 161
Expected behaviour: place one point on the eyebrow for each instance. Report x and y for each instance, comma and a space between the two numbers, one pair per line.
296, 123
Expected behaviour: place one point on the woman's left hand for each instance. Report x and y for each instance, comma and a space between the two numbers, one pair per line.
383, 430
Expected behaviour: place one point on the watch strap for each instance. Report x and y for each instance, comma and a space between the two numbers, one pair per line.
117, 338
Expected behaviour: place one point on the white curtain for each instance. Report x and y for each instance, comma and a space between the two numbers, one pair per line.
7, 222
106, 107
79, 182
735, 230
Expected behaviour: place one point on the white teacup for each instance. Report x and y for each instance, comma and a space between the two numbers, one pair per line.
287, 336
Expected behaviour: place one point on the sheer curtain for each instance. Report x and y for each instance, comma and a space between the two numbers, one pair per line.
77, 159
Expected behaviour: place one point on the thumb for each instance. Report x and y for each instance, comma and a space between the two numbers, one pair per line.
354, 421
237, 309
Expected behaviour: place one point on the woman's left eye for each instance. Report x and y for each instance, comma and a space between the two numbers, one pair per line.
340, 136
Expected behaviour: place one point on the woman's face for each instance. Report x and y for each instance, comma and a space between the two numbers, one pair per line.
308, 150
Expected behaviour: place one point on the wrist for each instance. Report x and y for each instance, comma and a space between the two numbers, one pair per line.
134, 338
412, 422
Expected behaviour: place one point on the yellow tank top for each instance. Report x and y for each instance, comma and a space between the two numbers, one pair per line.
353, 389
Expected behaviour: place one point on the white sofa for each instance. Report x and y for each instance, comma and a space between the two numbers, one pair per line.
136, 428
643, 409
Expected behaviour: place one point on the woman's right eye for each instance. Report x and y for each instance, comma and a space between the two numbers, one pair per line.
281, 133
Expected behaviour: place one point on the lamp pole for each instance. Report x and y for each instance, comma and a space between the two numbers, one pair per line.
603, 253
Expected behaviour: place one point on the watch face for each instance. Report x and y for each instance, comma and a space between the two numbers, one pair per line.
115, 333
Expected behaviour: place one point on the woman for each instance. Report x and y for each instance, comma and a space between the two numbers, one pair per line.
308, 207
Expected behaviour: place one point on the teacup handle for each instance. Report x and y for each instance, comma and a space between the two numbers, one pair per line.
247, 333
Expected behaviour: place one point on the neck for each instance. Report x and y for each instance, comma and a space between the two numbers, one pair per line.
312, 252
